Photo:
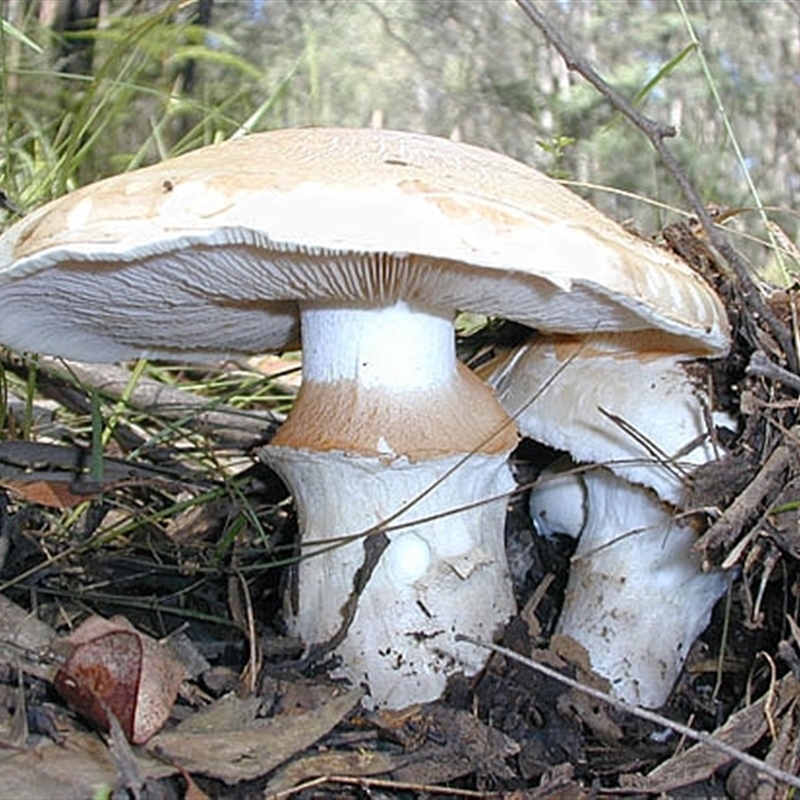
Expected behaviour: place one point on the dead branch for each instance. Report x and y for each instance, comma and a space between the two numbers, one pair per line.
716, 742
657, 133
204, 415
747, 507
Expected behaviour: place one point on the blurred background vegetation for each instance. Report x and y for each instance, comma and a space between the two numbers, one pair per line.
95, 87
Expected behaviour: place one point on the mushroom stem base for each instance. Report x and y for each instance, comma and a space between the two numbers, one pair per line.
636, 597
443, 573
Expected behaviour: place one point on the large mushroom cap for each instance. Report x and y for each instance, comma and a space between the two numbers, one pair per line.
210, 253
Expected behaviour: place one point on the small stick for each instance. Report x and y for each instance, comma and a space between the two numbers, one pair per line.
382, 783
761, 366
151, 396
746, 507
643, 713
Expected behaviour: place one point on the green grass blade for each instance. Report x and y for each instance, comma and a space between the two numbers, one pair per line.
662, 73
737, 150
7, 29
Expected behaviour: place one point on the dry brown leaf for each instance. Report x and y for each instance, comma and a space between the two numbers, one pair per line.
255, 748
13, 717
467, 746
701, 761
72, 770
53, 494
24, 637
229, 713
114, 667
783, 755
744, 782
563, 651
285, 370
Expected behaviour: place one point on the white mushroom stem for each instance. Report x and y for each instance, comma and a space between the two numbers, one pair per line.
389, 348
443, 576
388, 427
636, 598
638, 404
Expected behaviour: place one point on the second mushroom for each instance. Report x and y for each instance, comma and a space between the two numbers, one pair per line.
634, 418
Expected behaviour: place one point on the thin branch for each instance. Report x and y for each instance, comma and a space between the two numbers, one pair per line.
654, 130
760, 365
657, 133
643, 713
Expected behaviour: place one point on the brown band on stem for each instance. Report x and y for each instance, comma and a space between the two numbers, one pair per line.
459, 416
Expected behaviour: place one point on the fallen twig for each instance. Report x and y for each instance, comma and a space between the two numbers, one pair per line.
761, 366
642, 713
746, 508
168, 402
382, 783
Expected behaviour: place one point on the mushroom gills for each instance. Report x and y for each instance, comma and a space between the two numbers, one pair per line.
365, 242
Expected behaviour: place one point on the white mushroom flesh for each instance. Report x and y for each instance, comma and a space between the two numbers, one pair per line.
625, 401
631, 405
636, 598
389, 430
443, 572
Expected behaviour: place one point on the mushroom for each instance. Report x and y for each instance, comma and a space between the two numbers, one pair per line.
371, 240
632, 411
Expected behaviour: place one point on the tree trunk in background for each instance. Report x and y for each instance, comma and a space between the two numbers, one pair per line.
188, 70
15, 14
70, 18
187, 77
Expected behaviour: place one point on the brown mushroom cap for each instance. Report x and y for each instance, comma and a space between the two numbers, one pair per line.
210, 253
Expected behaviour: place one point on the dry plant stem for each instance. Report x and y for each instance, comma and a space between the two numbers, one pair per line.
379, 783
201, 413
374, 546
746, 507
654, 130
657, 133
641, 713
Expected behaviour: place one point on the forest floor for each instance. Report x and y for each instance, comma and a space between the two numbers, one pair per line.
178, 531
